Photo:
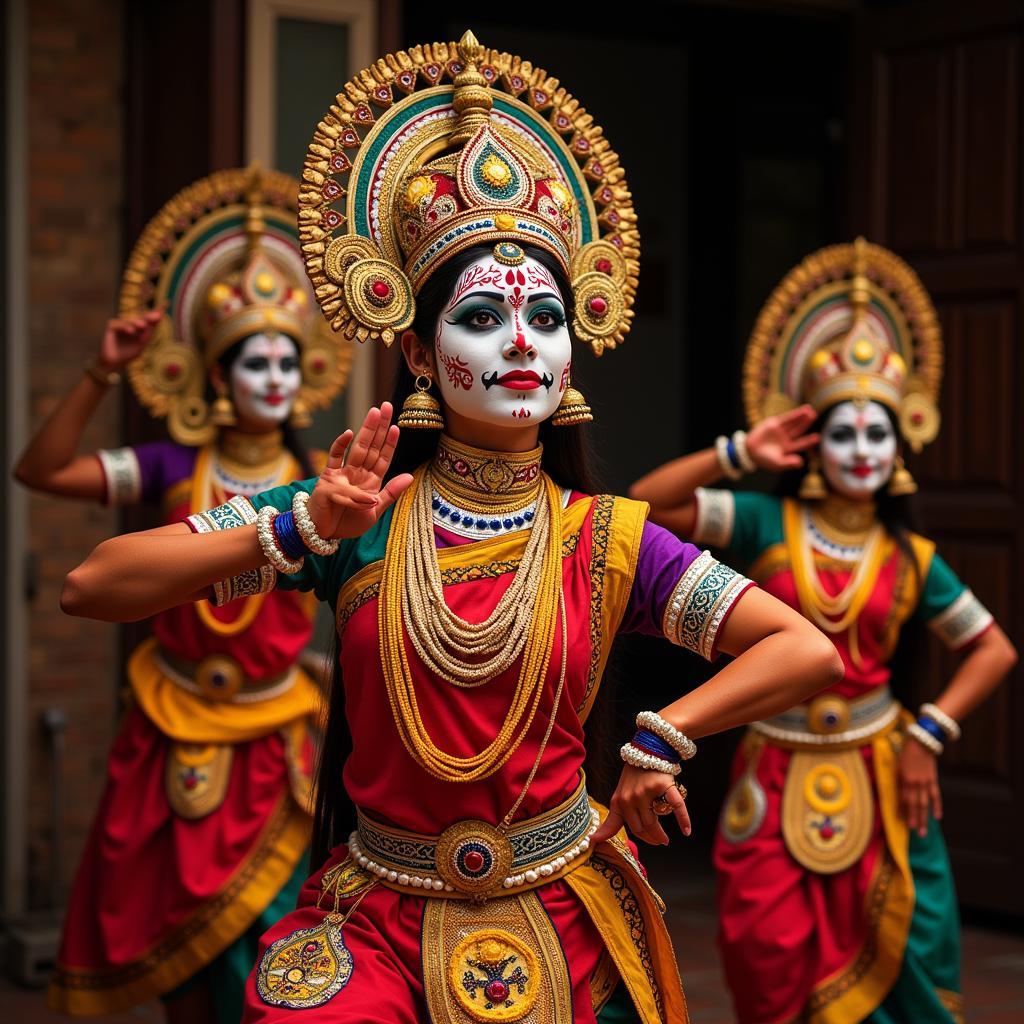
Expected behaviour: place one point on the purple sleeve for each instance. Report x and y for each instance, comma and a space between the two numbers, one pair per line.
161, 465
662, 561
680, 592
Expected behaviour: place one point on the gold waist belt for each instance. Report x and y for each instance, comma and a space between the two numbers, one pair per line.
832, 722
474, 858
220, 677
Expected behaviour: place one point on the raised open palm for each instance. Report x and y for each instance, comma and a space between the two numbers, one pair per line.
349, 497
777, 441
125, 337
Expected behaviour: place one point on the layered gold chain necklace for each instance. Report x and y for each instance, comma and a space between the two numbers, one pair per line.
466, 654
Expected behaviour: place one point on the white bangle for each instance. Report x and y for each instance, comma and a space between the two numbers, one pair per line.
724, 462
653, 722
268, 542
307, 528
945, 722
739, 442
641, 759
925, 738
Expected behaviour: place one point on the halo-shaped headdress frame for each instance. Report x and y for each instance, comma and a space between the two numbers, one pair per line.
204, 235
436, 148
839, 303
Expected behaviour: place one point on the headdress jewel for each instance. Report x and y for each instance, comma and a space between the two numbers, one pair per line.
850, 323
442, 147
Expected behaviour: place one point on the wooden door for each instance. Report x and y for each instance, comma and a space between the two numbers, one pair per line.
937, 177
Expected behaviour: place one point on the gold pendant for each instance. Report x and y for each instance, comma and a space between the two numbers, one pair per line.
498, 961
196, 778
827, 809
307, 968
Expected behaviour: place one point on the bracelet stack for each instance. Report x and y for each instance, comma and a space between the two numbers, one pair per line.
657, 746
287, 537
733, 457
946, 723
924, 731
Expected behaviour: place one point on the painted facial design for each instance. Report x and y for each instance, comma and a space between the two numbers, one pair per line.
858, 449
265, 378
502, 343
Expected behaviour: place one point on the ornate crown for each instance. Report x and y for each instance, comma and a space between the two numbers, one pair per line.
850, 323
223, 257
477, 147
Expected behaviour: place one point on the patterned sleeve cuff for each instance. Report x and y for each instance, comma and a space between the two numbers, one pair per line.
236, 512
700, 603
123, 475
716, 512
963, 621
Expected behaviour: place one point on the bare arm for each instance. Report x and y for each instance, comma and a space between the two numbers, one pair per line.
781, 659
139, 574
51, 462
987, 661
774, 444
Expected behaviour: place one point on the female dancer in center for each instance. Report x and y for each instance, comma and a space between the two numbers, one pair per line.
475, 596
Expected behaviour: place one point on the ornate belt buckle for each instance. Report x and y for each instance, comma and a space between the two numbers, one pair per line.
219, 676
473, 857
828, 714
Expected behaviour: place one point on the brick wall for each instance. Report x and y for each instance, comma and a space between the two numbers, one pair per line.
75, 109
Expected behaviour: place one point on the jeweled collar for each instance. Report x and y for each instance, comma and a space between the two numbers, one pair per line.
250, 450
843, 520
476, 476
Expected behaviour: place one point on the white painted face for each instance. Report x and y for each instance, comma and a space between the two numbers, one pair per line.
265, 378
502, 345
858, 449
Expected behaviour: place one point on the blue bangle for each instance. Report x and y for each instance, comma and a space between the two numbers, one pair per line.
730, 450
932, 727
654, 744
288, 537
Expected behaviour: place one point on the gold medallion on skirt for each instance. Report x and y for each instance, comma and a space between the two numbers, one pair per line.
827, 809
196, 777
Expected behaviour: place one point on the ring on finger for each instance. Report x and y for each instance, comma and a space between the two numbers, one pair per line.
661, 806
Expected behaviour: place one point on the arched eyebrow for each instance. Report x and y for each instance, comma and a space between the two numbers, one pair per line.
544, 295
497, 296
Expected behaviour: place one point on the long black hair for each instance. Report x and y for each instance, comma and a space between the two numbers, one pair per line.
567, 459
289, 435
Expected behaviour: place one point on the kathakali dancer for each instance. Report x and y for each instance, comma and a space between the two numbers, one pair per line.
200, 840
836, 900
476, 580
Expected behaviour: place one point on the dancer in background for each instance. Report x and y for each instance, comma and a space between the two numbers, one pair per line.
199, 843
836, 900
476, 580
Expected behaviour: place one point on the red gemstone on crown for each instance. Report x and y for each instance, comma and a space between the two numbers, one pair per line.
172, 370
381, 289
598, 306
496, 991
473, 860
605, 266
319, 365
917, 418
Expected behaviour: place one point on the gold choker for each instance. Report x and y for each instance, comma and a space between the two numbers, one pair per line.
844, 521
476, 477
250, 450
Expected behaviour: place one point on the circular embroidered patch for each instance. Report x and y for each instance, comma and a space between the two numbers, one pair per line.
494, 976
306, 968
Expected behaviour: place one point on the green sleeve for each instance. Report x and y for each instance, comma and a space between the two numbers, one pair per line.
315, 573
941, 588
757, 524
325, 575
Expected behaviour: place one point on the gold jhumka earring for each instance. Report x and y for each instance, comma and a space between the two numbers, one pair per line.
300, 417
421, 410
223, 412
572, 409
901, 483
812, 487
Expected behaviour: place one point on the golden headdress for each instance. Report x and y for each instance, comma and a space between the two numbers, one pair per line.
850, 323
223, 257
442, 147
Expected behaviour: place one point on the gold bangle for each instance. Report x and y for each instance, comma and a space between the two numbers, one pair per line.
108, 378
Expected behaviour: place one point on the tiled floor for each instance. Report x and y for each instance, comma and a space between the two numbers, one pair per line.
993, 964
